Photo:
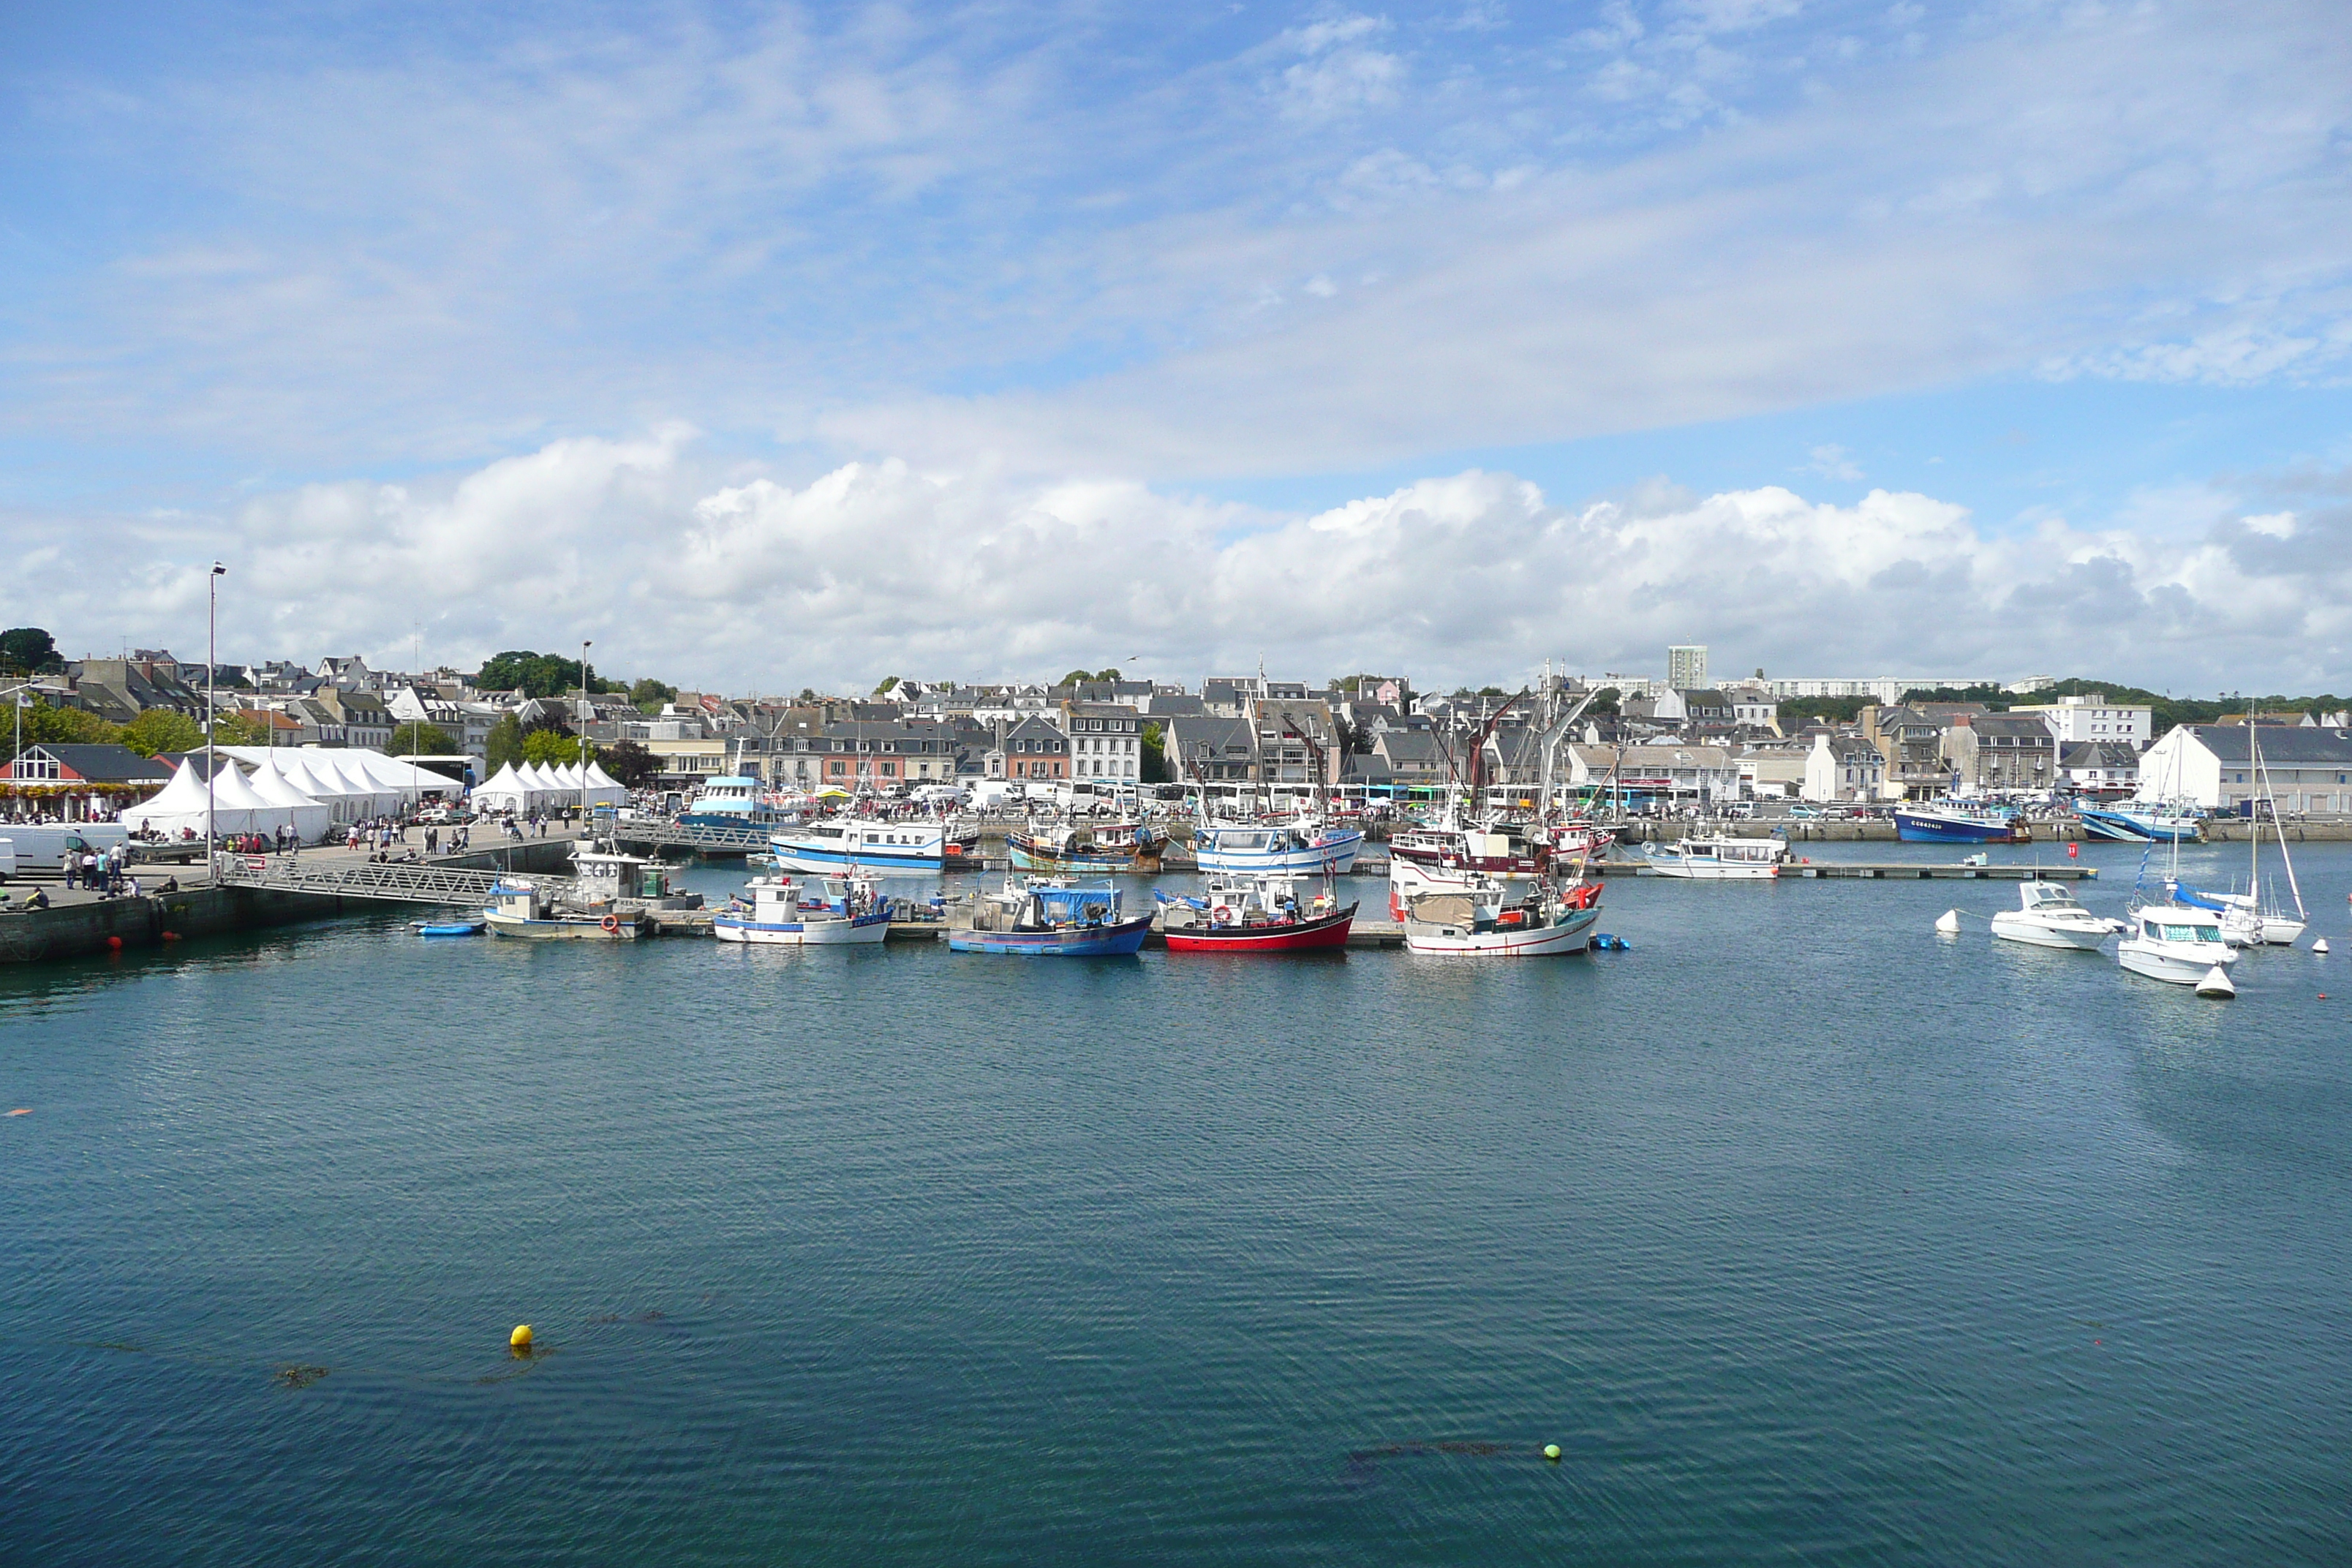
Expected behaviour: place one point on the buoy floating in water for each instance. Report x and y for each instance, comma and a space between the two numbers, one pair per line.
519, 1341
1948, 922
2319, 946
1551, 1452
2216, 984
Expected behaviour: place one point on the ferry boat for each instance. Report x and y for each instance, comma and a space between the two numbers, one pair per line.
826, 911
1254, 914
1267, 847
1085, 851
1486, 920
1718, 859
1951, 822
1047, 917
528, 910
877, 846
730, 801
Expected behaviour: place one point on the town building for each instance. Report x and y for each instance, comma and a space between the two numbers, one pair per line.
2001, 751
1106, 739
1843, 768
2309, 767
2090, 716
1036, 748
2099, 767
1686, 667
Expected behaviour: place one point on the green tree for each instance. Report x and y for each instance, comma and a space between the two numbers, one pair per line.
160, 730
239, 730
650, 694
503, 745
1111, 674
1155, 758
27, 650
630, 764
47, 726
535, 674
1074, 677
552, 745
888, 682
421, 740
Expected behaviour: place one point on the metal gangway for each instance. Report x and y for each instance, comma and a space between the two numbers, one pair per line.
707, 838
411, 882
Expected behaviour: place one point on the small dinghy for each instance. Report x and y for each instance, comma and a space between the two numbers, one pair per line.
449, 928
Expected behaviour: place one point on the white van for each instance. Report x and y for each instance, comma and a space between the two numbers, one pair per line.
9, 859
44, 844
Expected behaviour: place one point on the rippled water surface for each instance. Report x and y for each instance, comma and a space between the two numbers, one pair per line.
1804, 1233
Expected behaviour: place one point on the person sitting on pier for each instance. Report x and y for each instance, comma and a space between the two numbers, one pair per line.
36, 900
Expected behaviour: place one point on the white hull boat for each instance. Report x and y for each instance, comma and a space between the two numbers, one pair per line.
2177, 943
1719, 859
2049, 915
1293, 849
829, 912
1488, 919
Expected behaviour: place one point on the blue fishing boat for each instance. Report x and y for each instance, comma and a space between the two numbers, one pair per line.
1048, 918
2139, 822
1949, 822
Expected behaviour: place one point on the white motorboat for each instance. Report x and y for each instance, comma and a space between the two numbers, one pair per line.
2049, 915
1719, 859
2179, 944
822, 912
1486, 919
857, 845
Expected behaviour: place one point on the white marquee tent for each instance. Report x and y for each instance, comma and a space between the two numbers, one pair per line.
308, 816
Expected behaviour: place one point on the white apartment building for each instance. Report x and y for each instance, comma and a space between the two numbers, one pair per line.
2091, 717
1106, 740
1686, 667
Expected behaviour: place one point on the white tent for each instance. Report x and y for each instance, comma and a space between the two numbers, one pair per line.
177, 810
505, 791
602, 790
238, 807
308, 816
329, 791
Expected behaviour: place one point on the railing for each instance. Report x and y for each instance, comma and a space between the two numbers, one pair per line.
685, 835
392, 882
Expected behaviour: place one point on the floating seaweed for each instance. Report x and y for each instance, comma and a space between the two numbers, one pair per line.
299, 1376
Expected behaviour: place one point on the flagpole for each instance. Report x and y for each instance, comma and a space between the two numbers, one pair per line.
212, 662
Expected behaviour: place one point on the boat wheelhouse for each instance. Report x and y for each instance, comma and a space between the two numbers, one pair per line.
730, 801
2177, 943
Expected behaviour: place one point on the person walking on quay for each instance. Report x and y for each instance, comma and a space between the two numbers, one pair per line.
71, 866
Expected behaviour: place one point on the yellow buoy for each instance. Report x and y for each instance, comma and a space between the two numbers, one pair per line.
521, 1338
1551, 1452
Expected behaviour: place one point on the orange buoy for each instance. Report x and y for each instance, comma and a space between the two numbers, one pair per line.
171, 936
114, 944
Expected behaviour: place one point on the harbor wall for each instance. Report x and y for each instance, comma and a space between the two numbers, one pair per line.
81, 928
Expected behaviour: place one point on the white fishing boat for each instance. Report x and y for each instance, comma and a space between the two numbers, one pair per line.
882, 848
2049, 915
1487, 919
1298, 846
2179, 944
1718, 859
822, 912
529, 909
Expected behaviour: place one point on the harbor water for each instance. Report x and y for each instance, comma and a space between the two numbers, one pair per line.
1804, 1233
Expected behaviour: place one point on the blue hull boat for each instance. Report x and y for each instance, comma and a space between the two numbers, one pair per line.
449, 928
1084, 941
1945, 826
2138, 827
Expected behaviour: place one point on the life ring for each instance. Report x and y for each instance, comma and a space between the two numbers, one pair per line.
1221, 915
612, 924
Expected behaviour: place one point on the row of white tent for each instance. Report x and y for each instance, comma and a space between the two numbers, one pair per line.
538, 788
308, 789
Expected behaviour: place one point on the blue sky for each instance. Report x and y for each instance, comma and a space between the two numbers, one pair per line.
483, 320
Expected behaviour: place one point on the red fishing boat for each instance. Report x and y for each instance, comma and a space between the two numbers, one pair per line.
1254, 914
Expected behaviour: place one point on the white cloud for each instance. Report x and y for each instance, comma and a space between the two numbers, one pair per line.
1342, 73
1834, 462
743, 582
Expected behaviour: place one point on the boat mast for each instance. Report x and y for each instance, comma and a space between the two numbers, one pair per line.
2261, 776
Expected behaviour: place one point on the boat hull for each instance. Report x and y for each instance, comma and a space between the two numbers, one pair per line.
1115, 941
2120, 828
2083, 938
870, 859
582, 929
1714, 870
1456, 860
1573, 933
1025, 857
1932, 827
859, 929
2153, 960
1299, 936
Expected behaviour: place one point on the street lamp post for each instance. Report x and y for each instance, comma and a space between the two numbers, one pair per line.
585, 644
211, 661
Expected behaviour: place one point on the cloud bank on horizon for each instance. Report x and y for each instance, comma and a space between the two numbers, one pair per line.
878, 568
409, 318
